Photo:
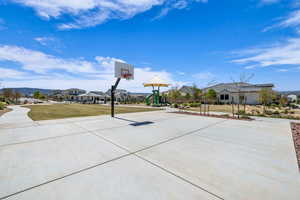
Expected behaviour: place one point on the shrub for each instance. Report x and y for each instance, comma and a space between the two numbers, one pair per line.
194, 104
2, 105
241, 112
276, 113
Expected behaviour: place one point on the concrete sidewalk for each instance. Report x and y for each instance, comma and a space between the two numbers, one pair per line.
176, 157
16, 118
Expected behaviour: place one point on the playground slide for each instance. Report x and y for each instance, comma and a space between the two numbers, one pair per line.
148, 99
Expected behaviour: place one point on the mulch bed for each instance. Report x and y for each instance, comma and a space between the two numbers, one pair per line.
296, 136
212, 115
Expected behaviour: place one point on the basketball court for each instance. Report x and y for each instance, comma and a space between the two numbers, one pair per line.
175, 157
152, 155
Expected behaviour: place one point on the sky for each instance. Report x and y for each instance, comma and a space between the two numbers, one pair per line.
61, 44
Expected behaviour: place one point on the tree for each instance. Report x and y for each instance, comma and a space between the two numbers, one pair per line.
174, 95
196, 93
243, 79
17, 96
8, 94
266, 96
283, 101
187, 96
37, 95
211, 97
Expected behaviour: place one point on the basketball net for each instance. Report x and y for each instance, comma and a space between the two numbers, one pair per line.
125, 74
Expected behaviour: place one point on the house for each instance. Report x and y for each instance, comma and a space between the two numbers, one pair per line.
73, 91
292, 97
184, 90
230, 92
92, 98
120, 95
67, 95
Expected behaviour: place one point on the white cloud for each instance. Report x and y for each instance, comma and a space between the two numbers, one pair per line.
42, 63
180, 73
88, 13
292, 20
287, 53
12, 74
269, 1
47, 71
176, 4
204, 76
282, 70
44, 40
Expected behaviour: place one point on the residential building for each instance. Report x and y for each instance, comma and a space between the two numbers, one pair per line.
239, 92
92, 98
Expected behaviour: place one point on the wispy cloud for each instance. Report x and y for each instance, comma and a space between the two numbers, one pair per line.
175, 4
292, 20
2, 24
180, 73
286, 53
282, 70
204, 76
11, 73
40, 62
269, 1
45, 40
89, 13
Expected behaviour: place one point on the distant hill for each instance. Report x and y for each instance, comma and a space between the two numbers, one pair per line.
290, 92
30, 91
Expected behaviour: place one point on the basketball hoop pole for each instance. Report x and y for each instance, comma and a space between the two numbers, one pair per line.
113, 89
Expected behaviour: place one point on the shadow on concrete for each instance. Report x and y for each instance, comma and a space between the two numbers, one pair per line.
135, 123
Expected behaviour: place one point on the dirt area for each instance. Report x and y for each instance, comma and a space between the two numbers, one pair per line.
296, 136
255, 110
212, 115
4, 111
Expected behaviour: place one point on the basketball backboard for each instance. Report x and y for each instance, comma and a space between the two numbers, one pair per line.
124, 71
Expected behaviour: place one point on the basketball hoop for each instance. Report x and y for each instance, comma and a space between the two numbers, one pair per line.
125, 73
122, 71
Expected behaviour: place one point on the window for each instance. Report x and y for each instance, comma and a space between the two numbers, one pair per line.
224, 97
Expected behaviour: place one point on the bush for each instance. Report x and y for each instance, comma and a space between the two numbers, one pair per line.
276, 113
241, 112
2, 105
194, 104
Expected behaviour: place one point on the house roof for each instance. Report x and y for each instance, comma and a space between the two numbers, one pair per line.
240, 86
90, 94
186, 89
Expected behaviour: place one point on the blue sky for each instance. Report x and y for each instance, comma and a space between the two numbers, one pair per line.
68, 43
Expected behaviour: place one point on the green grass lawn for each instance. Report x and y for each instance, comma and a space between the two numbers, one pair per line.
60, 111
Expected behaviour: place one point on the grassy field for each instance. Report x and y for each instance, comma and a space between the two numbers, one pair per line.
60, 111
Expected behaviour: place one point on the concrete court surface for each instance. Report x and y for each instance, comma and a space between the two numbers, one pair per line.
176, 157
